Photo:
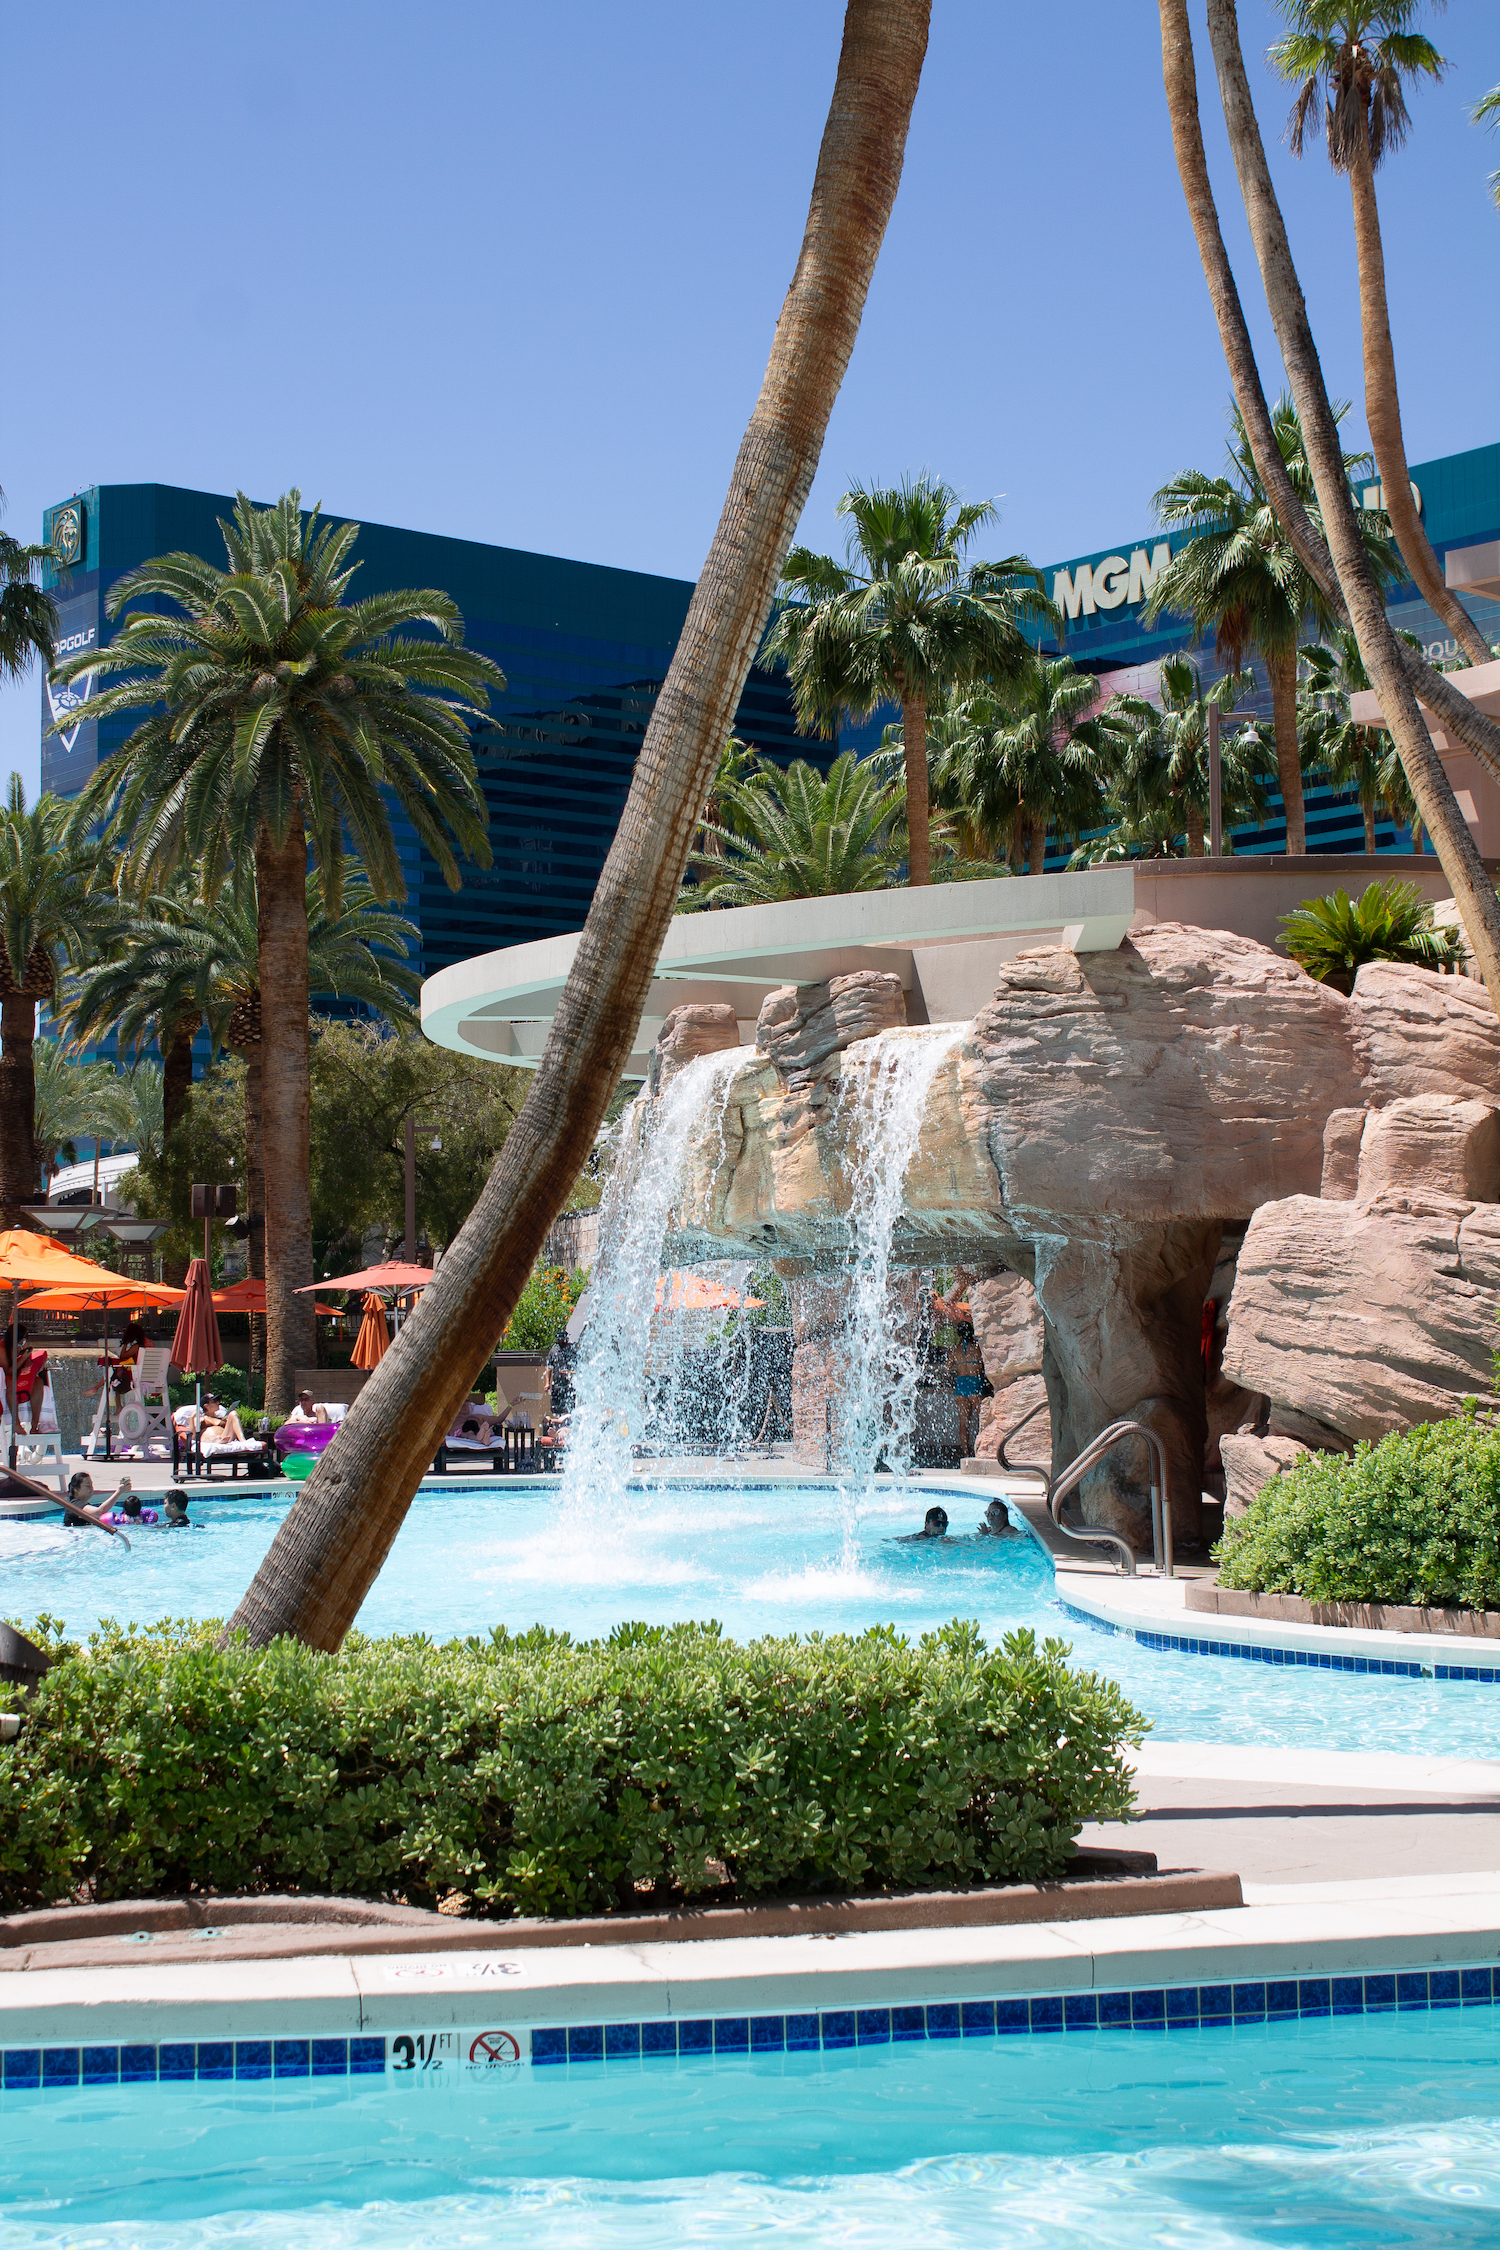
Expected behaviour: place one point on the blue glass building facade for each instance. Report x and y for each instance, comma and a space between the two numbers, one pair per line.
584, 649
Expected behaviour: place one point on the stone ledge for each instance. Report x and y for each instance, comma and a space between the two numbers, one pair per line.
1108, 1884
1376, 1617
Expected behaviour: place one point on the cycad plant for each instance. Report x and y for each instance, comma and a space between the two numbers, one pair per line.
56, 904
280, 715
1239, 577
903, 619
801, 834
1354, 63
1334, 937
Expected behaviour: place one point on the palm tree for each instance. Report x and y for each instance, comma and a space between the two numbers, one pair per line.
1018, 762
1354, 757
1158, 763
75, 1101
902, 619
320, 1565
801, 834
1356, 61
55, 905
187, 961
1486, 111
279, 715
1240, 575
28, 616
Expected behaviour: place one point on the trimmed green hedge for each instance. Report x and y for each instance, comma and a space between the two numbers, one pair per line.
1413, 1519
543, 1777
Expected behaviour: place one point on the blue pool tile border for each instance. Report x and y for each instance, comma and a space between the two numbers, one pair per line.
1152, 2008
1310, 1659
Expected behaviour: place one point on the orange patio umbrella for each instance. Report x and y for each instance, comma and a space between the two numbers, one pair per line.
391, 1274
694, 1292
249, 1296
374, 1338
40, 1258
104, 1291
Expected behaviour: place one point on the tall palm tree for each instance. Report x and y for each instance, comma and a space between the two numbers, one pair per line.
330, 1547
28, 616
1024, 760
1486, 111
1158, 758
902, 620
190, 961
56, 903
1240, 576
801, 834
280, 715
1356, 60
1354, 757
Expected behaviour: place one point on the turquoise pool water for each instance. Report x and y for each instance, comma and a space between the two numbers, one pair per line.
768, 1559
1341, 2133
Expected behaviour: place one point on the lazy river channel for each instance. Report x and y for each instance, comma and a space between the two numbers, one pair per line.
762, 1557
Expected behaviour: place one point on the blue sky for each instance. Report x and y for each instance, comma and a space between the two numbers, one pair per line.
511, 272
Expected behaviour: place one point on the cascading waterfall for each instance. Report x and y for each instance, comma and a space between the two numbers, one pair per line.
627, 1355
878, 1393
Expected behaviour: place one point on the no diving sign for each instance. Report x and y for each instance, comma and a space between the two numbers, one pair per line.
491, 2048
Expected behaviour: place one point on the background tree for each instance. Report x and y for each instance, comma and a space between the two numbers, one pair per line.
54, 904
1025, 759
1239, 576
1354, 757
1157, 760
29, 623
903, 619
76, 1101
1356, 61
801, 834
1487, 112
279, 714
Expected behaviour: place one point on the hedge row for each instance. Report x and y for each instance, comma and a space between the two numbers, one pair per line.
542, 1777
1414, 1519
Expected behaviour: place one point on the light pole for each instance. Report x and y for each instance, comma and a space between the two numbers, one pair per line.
411, 1181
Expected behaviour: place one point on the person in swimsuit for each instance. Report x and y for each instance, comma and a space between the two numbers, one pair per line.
934, 1526
967, 1370
30, 1379
176, 1511
996, 1523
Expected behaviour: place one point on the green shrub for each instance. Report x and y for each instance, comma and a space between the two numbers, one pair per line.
543, 1777
543, 1308
1414, 1519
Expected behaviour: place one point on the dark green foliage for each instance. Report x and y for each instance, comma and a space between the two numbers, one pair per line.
543, 1308
1334, 937
540, 1777
1414, 1519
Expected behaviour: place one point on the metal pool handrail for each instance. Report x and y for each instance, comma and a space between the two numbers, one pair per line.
1161, 1490
1089, 1538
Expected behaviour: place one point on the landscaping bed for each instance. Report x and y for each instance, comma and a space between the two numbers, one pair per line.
1413, 1522
537, 1777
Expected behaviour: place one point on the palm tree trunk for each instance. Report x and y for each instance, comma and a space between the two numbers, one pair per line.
1460, 718
1367, 807
329, 1548
1036, 847
1194, 832
255, 1202
1283, 670
918, 819
177, 1073
1378, 647
286, 1093
1383, 414
17, 1104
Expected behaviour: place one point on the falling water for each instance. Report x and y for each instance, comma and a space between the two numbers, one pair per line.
877, 1408
624, 1352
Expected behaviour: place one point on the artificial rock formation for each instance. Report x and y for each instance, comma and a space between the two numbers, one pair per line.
802, 1025
699, 1027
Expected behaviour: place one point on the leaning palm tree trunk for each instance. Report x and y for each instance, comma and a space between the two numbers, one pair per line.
331, 1545
1459, 716
1383, 414
286, 1103
1360, 597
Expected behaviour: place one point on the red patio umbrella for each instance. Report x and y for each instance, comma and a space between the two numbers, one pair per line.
195, 1347
392, 1274
374, 1338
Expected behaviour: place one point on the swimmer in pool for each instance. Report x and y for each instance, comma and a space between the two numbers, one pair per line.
996, 1523
177, 1515
81, 1494
934, 1526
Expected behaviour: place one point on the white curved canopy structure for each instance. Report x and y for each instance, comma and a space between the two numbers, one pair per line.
945, 943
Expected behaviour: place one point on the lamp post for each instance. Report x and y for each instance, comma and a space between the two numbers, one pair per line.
213, 1200
411, 1181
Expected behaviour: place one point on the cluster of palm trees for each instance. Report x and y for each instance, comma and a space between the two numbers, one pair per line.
235, 853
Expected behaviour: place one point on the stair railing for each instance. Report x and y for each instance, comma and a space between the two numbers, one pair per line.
1059, 1489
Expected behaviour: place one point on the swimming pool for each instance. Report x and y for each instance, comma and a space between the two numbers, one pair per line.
1375, 2130
761, 1557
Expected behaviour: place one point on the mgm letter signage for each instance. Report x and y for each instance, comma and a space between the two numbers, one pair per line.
1113, 583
